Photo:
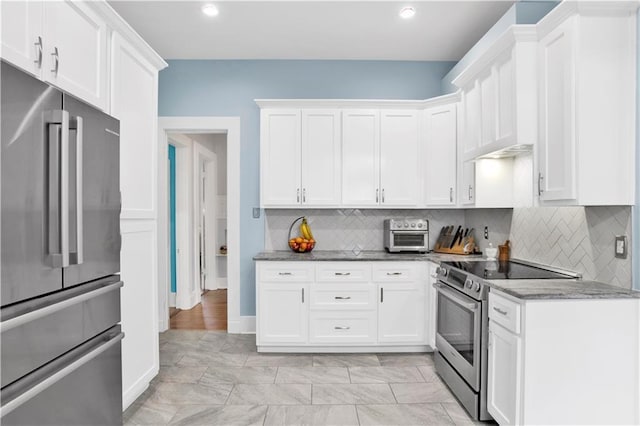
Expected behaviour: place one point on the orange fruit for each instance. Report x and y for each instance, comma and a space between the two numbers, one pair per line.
299, 240
303, 246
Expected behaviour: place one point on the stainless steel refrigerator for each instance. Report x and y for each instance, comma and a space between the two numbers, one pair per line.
60, 301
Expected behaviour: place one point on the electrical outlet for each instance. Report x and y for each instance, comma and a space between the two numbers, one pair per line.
621, 246
486, 232
256, 212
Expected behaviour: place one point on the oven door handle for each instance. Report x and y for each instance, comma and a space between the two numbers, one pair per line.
449, 294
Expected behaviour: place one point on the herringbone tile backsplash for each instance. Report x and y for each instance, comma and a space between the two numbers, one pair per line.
580, 239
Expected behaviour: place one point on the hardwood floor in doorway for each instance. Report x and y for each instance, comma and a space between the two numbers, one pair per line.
210, 314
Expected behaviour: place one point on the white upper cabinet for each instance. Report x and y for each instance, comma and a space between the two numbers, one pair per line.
399, 158
360, 157
62, 42
467, 189
499, 95
75, 46
587, 65
321, 157
300, 157
440, 155
22, 35
280, 157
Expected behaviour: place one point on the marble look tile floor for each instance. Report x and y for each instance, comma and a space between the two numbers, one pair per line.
214, 378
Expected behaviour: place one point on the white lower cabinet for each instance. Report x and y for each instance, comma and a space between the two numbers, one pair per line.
563, 361
504, 371
355, 306
401, 309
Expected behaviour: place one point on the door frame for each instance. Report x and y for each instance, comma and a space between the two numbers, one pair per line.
187, 125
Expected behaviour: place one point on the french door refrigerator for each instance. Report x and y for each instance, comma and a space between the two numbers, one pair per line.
60, 255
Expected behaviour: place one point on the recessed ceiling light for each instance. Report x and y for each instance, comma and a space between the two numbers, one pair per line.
210, 10
407, 12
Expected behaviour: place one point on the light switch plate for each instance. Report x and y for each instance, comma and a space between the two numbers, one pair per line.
621, 246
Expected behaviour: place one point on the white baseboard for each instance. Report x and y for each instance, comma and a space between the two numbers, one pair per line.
131, 394
172, 299
242, 325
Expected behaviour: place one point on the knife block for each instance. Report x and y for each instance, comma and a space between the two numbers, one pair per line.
465, 246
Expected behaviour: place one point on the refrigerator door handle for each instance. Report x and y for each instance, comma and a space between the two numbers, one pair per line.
47, 382
76, 124
58, 123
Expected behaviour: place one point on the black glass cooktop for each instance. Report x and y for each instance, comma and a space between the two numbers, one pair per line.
506, 270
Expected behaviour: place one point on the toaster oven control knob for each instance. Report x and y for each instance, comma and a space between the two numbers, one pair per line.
476, 286
419, 225
406, 224
441, 271
413, 225
468, 283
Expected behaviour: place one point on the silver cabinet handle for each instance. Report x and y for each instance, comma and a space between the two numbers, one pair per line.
470, 193
38, 45
298, 195
342, 297
500, 311
383, 195
377, 192
338, 327
304, 195
77, 125
303, 295
342, 274
285, 273
56, 60
394, 274
381, 294
451, 195
540, 179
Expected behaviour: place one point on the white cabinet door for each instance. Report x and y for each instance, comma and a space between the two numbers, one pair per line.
401, 303
75, 47
440, 159
399, 158
557, 144
503, 400
283, 312
360, 157
320, 157
280, 157
472, 117
486, 83
505, 95
22, 35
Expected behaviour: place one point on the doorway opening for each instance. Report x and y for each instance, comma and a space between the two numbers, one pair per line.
202, 303
198, 222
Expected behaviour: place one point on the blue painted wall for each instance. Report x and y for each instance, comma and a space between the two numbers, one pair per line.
228, 88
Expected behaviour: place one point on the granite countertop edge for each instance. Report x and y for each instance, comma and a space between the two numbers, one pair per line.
563, 290
363, 256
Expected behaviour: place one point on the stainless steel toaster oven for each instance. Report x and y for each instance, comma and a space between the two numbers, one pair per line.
406, 235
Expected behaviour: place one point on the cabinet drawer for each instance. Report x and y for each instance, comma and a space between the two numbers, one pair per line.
340, 296
504, 312
396, 272
342, 327
343, 272
285, 271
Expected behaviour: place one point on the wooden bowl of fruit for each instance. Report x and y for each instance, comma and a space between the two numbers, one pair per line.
305, 242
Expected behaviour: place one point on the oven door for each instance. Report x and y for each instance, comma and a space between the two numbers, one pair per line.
408, 241
458, 332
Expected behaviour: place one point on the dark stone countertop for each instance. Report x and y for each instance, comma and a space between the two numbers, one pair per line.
337, 255
561, 289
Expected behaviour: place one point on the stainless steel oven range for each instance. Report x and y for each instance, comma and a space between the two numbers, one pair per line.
462, 323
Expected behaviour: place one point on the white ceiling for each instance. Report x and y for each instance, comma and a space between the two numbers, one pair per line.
365, 30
